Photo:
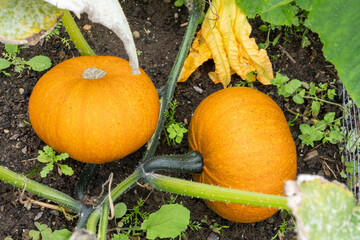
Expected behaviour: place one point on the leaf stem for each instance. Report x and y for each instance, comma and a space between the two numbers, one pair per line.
325, 101
215, 193
41, 190
76, 36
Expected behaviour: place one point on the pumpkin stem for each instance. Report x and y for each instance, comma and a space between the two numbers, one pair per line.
93, 73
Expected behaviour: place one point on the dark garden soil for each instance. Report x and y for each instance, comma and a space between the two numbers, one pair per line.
161, 28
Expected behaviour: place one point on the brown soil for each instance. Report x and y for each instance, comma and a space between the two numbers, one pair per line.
160, 26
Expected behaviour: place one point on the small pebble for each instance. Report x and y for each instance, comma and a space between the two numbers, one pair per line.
87, 27
27, 205
213, 236
24, 150
14, 137
38, 216
6, 131
198, 89
21, 91
136, 34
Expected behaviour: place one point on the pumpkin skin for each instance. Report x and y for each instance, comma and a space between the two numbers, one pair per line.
246, 144
94, 120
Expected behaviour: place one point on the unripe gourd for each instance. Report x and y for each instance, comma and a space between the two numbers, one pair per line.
94, 108
246, 144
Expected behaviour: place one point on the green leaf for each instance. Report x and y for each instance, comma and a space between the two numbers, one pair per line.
39, 63
279, 80
48, 168
12, 49
304, 4
26, 21
178, 3
299, 97
43, 157
282, 15
62, 234
263, 28
251, 8
323, 209
35, 235
65, 169
315, 108
119, 210
168, 222
335, 25
4, 63
292, 86
329, 117
49, 151
60, 157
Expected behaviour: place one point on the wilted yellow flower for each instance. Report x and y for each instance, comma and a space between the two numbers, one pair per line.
225, 37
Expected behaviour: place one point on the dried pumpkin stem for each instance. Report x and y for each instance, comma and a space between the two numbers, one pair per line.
76, 37
215, 193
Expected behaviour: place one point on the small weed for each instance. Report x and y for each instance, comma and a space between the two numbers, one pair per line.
49, 157
37, 63
133, 222
213, 225
327, 129
174, 131
56, 33
283, 227
178, 3
44, 232
249, 81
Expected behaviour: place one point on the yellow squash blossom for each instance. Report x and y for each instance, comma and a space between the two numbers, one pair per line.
225, 38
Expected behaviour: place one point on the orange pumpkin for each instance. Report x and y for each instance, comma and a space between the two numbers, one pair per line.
94, 108
246, 144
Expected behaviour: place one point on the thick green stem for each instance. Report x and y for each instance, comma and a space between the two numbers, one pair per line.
215, 193
41, 190
195, 12
85, 178
93, 220
76, 36
103, 222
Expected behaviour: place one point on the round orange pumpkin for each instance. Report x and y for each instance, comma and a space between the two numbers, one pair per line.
246, 144
94, 108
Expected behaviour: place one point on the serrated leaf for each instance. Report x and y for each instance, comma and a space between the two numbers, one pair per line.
4, 63
65, 169
298, 98
335, 25
110, 14
26, 21
168, 222
323, 209
48, 168
39, 63
60, 157
43, 157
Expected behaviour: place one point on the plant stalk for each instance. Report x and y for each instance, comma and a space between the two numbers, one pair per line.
195, 12
103, 222
76, 36
215, 193
41, 190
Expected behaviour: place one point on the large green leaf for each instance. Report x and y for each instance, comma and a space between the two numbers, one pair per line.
323, 209
278, 12
337, 24
26, 21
